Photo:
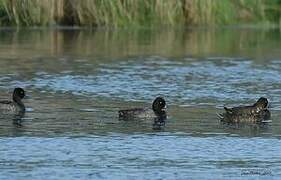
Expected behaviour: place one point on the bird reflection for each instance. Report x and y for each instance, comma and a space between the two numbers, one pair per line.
159, 122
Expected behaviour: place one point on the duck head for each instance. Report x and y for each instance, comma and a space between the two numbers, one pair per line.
262, 103
159, 105
18, 94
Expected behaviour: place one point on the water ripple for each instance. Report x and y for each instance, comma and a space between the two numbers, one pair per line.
137, 155
180, 81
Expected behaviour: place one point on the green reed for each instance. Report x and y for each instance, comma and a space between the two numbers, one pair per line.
116, 13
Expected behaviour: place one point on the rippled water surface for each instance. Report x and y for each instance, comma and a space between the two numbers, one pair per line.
77, 80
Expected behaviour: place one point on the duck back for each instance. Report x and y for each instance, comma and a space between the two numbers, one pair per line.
136, 113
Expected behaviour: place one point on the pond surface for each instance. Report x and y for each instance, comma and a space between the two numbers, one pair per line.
78, 79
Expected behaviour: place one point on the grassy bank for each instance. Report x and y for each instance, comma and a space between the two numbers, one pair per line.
116, 13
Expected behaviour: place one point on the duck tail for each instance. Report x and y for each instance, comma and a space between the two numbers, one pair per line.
220, 116
228, 110
121, 113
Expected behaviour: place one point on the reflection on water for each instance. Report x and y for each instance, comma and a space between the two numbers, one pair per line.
77, 81
115, 44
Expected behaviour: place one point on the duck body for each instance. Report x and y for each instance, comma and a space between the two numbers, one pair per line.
137, 113
9, 106
157, 110
15, 106
259, 117
256, 113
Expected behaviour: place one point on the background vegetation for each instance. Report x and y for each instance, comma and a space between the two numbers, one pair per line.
116, 13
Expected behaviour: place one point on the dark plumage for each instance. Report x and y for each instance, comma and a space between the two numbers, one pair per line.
15, 106
158, 110
255, 113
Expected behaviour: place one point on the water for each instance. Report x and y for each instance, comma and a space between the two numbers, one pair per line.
77, 80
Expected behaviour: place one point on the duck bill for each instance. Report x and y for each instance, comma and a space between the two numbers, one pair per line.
164, 108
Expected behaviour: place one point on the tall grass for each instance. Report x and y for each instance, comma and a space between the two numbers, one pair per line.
117, 13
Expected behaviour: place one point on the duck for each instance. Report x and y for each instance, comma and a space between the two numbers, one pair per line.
256, 113
15, 106
158, 110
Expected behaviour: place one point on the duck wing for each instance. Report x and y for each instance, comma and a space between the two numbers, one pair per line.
6, 105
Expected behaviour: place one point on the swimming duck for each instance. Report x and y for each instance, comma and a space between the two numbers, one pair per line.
256, 113
158, 110
15, 106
